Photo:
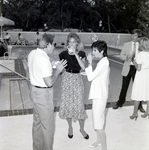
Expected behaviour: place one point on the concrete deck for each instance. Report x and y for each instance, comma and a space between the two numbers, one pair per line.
122, 133
16, 117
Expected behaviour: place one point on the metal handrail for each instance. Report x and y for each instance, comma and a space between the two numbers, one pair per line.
14, 72
5, 55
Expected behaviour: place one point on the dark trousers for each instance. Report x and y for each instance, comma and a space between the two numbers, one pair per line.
125, 84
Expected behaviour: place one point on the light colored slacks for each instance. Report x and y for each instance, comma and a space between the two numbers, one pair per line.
98, 112
43, 118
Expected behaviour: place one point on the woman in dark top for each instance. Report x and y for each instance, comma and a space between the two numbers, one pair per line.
72, 90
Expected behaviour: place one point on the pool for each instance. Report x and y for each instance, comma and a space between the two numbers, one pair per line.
9, 64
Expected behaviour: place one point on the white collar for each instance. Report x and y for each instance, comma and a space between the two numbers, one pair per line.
134, 42
44, 53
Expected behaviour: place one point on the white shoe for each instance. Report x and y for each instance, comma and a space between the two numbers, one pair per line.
93, 146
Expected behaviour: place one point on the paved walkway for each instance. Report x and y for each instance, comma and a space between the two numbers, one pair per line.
122, 133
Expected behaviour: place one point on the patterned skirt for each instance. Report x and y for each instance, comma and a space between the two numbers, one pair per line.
72, 96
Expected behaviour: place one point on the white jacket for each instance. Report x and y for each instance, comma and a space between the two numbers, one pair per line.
100, 79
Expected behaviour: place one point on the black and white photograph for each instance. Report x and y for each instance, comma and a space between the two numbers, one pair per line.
74, 74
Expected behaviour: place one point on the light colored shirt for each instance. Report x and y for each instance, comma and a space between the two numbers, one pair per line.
39, 67
100, 79
135, 46
143, 59
38, 36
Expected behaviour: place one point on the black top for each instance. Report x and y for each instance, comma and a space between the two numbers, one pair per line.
2, 50
72, 63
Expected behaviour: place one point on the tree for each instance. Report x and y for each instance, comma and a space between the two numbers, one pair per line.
68, 14
126, 14
27, 14
115, 15
143, 17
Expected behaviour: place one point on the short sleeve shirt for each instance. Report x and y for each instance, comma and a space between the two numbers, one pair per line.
142, 58
39, 67
72, 62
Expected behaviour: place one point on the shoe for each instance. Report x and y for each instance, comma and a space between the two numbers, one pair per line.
70, 136
93, 146
116, 106
134, 117
86, 137
145, 115
70, 133
142, 109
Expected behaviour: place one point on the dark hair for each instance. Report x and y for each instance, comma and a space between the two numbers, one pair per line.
138, 31
48, 38
45, 40
101, 46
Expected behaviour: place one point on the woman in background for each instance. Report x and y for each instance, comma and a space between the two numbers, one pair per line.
140, 89
99, 89
21, 40
72, 90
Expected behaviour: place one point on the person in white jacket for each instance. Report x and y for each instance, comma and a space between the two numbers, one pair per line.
99, 78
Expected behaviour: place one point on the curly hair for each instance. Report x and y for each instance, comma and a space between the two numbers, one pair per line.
74, 36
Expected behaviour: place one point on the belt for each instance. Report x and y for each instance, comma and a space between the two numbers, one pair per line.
132, 66
43, 87
72, 71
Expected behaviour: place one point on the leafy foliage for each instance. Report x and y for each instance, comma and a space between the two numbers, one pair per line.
143, 17
84, 15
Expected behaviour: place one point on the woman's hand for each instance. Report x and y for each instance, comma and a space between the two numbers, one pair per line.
90, 58
134, 62
71, 49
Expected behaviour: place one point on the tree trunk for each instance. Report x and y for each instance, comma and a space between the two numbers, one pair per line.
1, 9
109, 28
